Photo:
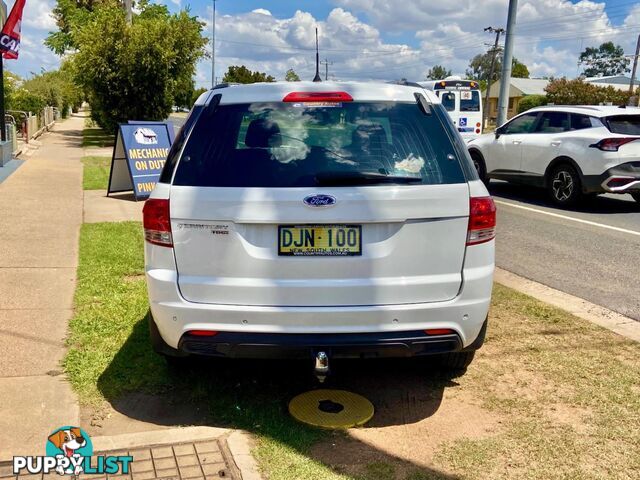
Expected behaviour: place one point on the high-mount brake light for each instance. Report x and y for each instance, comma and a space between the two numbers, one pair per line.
318, 97
156, 221
482, 220
612, 144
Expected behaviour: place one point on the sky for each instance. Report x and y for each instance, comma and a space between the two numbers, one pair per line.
376, 39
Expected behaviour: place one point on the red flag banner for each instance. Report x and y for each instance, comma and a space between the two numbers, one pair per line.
10, 35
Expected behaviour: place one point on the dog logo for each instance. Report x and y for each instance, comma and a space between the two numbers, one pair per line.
69, 451
145, 136
71, 443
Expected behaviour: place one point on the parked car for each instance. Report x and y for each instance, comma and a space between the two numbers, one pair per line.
571, 151
300, 219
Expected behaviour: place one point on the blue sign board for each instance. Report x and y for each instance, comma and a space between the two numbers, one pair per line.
139, 155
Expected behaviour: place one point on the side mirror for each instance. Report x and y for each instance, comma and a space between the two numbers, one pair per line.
499, 131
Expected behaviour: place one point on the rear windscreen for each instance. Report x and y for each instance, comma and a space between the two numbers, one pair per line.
302, 145
624, 124
470, 101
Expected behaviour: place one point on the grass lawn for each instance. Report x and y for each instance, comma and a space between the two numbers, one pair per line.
95, 174
96, 137
562, 395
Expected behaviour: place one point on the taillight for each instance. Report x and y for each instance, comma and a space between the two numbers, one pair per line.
612, 144
156, 221
482, 220
318, 97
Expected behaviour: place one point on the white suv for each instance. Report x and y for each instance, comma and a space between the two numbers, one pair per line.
571, 151
299, 219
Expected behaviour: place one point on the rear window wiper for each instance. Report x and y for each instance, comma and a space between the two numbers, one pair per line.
362, 178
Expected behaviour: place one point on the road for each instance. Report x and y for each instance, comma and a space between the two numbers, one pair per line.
592, 252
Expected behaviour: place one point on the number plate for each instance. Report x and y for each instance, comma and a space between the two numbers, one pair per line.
320, 240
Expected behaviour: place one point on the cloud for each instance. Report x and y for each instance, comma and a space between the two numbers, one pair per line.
452, 32
38, 15
266, 43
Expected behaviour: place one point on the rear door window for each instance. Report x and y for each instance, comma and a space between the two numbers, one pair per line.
624, 124
448, 101
580, 122
302, 145
553, 122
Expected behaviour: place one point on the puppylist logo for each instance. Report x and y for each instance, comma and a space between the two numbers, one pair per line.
69, 451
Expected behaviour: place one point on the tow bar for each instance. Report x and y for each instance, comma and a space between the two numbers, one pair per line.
321, 369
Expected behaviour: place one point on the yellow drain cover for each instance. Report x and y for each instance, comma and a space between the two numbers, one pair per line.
331, 409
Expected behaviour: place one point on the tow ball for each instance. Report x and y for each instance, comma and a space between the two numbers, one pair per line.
321, 369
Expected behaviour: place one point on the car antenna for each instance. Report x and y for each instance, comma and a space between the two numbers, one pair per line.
317, 78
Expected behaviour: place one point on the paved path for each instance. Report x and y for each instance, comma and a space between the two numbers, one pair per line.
40, 217
590, 252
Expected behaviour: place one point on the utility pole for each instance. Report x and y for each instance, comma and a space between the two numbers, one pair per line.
213, 47
635, 67
494, 51
326, 64
127, 10
507, 59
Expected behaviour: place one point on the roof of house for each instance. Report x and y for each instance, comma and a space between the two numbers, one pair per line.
521, 87
611, 79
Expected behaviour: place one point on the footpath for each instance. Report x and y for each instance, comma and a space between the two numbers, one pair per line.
41, 211
40, 217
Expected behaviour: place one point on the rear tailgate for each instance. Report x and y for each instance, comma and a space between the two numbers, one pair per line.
413, 245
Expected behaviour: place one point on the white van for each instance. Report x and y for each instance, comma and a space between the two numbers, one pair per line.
462, 100
319, 220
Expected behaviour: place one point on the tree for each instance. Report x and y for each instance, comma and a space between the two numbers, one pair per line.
578, 92
531, 101
291, 76
519, 69
438, 72
135, 71
480, 65
605, 60
241, 74
70, 16
56, 88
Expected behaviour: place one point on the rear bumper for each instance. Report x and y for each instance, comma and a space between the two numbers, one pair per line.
348, 345
623, 178
320, 326
306, 346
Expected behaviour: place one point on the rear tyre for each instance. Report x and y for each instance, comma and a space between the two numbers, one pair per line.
455, 361
480, 167
565, 187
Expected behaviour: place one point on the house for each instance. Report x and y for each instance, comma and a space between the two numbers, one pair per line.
519, 88
619, 82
